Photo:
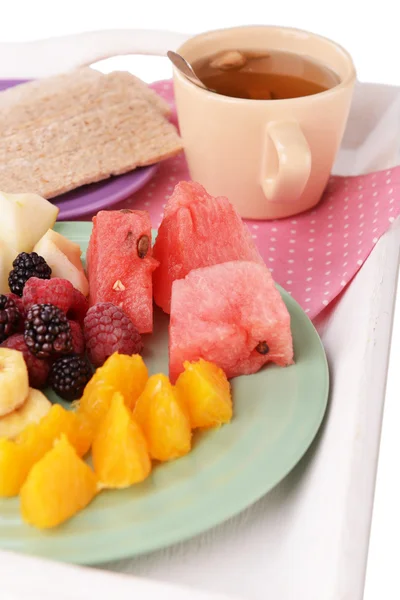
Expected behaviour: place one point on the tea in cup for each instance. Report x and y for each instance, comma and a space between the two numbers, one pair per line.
267, 134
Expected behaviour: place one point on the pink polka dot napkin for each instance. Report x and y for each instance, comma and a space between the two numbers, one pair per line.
313, 255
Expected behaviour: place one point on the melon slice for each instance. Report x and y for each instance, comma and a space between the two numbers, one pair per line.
61, 266
120, 264
229, 314
24, 220
71, 250
197, 231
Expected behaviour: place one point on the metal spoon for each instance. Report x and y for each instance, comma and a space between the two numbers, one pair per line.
186, 69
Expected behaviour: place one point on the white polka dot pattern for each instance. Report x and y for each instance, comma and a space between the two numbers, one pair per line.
325, 246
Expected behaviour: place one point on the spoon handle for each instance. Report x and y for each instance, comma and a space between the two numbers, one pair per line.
185, 68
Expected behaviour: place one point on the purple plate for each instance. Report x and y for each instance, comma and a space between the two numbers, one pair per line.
89, 199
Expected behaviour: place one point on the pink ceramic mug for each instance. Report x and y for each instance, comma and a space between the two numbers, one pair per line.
272, 158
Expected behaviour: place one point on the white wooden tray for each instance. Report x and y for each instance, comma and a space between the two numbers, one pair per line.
308, 538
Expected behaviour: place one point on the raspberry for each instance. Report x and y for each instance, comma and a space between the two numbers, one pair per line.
78, 308
56, 291
108, 329
78, 341
69, 376
60, 293
9, 317
26, 266
38, 369
47, 332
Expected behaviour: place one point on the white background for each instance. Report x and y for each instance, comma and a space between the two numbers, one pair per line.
371, 33
369, 30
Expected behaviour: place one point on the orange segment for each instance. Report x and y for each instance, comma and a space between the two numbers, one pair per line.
120, 373
60, 421
40, 438
119, 451
206, 391
18, 457
96, 404
33, 443
82, 436
14, 468
163, 419
57, 487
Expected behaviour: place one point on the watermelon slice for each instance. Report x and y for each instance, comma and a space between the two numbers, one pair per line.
230, 314
120, 264
197, 231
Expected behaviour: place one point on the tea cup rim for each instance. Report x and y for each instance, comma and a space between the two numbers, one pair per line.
345, 82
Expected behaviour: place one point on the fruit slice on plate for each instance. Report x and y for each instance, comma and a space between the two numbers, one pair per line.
120, 264
119, 450
197, 231
71, 250
164, 419
33, 409
120, 373
39, 438
229, 314
62, 421
35, 440
14, 467
24, 220
57, 487
60, 263
206, 391
95, 404
14, 384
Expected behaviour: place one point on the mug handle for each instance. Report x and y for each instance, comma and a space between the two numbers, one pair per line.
43, 58
285, 180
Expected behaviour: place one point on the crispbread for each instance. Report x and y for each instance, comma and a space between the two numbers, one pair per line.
24, 106
79, 128
137, 85
76, 98
35, 90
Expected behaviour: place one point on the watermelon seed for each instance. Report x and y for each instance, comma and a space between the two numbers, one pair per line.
262, 348
143, 246
125, 210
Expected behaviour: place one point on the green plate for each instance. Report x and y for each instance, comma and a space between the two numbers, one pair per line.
277, 413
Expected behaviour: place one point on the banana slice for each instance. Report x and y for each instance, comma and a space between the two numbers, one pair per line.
14, 384
34, 408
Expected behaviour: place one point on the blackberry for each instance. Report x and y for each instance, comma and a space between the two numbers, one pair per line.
9, 317
26, 266
69, 376
47, 331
